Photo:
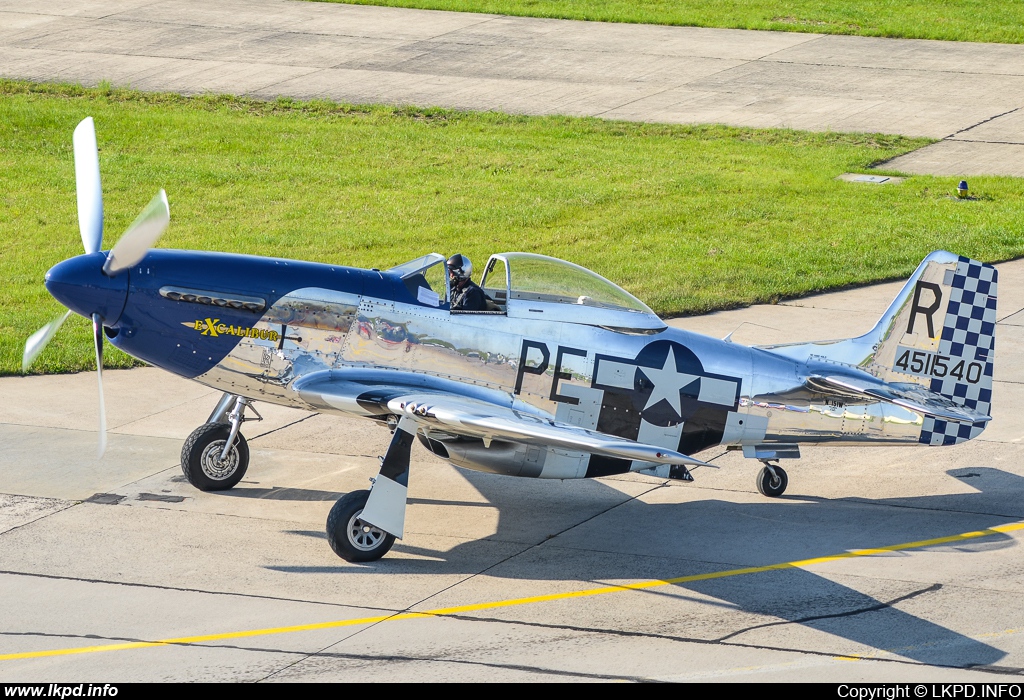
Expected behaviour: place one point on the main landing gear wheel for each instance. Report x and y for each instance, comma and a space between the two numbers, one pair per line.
351, 538
772, 485
201, 458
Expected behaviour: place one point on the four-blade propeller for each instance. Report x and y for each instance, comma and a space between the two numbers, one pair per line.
130, 249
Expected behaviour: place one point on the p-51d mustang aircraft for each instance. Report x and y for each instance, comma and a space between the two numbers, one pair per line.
568, 377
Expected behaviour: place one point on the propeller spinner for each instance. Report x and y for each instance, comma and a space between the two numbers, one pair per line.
89, 284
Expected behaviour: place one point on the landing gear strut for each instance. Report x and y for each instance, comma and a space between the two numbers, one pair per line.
363, 525
216, 455
772, 480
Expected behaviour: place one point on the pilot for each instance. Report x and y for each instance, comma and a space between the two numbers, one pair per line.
466, 295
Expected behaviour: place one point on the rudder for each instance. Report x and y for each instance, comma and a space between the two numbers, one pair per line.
968, 338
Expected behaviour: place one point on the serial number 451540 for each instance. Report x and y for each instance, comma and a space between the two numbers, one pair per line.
931, 364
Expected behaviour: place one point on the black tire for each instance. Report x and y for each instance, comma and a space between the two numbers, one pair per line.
200, 458
771, 486
351, 538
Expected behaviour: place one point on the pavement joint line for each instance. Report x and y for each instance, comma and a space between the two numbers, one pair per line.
177, 589
71, 504
219, 63
485, 20
638, 99
878, 606
255, 92
151, 415
998, 143
493, 605
983, 121
110, 431
895, 69
122, 11
287, 425
811, 38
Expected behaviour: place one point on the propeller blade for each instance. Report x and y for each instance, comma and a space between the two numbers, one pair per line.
97, 334
38, 340
87, 182
140, 236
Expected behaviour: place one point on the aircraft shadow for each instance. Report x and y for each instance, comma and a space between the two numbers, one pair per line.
283, 493
618, 545
279, 493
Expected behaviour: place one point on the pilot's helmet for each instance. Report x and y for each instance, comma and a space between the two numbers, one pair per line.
459, 267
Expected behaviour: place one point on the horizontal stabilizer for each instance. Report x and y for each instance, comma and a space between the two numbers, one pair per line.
912, 396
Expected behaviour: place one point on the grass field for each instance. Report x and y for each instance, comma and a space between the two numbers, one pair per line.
954, 20
687, 218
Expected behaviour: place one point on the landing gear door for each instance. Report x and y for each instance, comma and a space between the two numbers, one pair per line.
496, 282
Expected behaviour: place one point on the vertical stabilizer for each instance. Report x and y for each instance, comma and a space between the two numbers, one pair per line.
940, 333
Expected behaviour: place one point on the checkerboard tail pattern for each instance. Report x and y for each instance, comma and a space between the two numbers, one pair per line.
968, 334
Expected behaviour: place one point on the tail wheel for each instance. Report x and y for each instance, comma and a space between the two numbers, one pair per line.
201, 458
772, 485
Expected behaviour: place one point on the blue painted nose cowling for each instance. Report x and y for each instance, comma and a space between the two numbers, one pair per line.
79, 284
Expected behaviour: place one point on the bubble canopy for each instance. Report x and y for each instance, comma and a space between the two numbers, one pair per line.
535, 277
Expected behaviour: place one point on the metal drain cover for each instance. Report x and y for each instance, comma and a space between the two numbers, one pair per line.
870, 179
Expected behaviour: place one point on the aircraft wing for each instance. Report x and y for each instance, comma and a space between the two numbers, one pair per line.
912, 396
476, 417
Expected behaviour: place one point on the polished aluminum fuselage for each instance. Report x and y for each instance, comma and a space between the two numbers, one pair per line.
329, 330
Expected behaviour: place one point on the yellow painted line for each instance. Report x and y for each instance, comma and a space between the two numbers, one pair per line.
493, 605
1002, 633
